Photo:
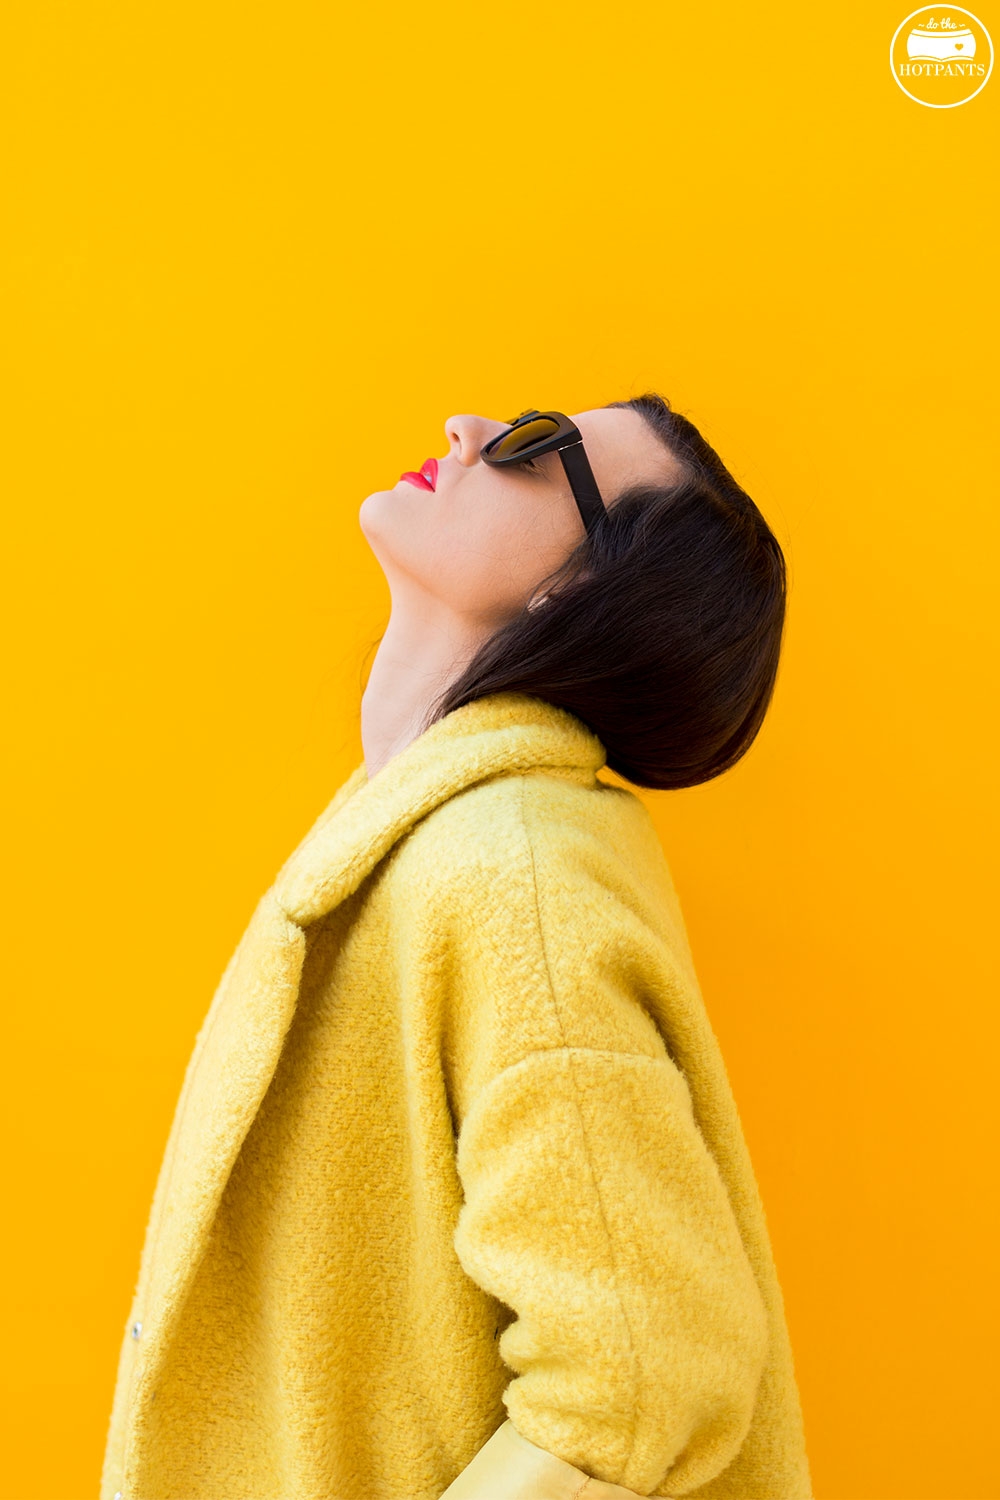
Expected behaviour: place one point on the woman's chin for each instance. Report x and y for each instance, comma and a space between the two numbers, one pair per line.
382, 523
371, 508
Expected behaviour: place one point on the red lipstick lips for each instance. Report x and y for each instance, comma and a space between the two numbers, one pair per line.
427, 477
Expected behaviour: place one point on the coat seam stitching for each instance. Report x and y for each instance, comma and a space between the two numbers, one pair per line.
583, 1129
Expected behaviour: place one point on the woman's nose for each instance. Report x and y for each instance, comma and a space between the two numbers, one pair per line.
467, 434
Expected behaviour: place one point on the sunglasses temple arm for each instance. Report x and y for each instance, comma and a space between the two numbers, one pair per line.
583, 484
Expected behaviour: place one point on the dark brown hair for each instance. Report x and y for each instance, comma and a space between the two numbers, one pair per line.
662, 629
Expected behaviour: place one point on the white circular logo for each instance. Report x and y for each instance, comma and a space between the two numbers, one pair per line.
941, 57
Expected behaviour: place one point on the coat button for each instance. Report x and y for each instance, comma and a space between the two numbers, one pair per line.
136, 1330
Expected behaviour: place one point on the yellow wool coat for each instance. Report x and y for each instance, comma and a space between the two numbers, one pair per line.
456, 1197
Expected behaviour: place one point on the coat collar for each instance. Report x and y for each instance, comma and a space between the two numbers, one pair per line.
498, 734
241, 1039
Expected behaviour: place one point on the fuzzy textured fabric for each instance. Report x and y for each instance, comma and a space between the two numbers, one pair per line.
456, 1145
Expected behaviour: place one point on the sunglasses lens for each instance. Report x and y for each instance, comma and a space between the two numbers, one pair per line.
524, 437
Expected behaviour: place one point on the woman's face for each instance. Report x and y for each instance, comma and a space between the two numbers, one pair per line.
485, 537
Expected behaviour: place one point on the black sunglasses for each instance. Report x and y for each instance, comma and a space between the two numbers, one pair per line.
535, 432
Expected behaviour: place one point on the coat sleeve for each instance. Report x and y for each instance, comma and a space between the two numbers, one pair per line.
593, 1209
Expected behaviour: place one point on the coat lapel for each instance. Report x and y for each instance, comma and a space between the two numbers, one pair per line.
493, 736
238, 1047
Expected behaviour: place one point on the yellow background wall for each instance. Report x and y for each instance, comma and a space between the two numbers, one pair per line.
253, 257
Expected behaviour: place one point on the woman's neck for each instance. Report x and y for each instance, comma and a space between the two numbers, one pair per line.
423, 649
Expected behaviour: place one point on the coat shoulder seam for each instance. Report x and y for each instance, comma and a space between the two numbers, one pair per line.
583, 1129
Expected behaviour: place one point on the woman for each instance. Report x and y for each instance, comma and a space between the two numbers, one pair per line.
456, 1201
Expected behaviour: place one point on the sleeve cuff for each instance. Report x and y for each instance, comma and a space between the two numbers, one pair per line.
509, 1467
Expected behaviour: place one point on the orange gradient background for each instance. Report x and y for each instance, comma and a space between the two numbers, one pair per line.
253, 257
